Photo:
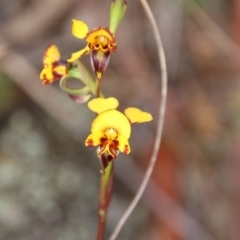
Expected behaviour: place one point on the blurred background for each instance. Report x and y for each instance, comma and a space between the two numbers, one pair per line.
49, 180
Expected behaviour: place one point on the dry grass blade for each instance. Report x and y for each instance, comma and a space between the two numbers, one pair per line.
162, 108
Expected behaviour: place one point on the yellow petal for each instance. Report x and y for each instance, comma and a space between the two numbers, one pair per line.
135, 115
79, 28
94, 139
46, 74
42, 74
100, 105
112, 119
75, 56
60, 70
123, 145
51, 55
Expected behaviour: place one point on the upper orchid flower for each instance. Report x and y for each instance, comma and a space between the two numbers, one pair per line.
53, 67
100, 43
98, 39
111, 129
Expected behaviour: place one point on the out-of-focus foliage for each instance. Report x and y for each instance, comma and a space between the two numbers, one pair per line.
8, 95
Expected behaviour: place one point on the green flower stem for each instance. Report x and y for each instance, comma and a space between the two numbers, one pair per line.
98, 91
106, 187
117, 11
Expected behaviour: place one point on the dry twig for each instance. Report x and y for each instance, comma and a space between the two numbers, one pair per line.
160, 123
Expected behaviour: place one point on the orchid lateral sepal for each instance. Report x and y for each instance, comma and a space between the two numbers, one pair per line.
99, 62
87, 78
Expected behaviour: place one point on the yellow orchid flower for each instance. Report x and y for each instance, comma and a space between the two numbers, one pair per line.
99, 39
111, 129
53, 67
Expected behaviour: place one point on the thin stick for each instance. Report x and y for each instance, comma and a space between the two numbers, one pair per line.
162, 108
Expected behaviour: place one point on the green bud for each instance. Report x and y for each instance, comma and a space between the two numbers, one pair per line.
118, 8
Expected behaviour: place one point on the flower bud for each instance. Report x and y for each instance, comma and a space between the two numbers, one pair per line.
117, 11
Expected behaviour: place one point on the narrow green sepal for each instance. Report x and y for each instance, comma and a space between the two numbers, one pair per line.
118, 8
86, 78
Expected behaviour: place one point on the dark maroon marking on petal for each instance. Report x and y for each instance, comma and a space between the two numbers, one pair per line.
59, 63
104, 161
46, 81
90, 45
96, 46
56, 64
103, 148
56, 76
89, 143
103, 140
112, 150
110, 157
105, 47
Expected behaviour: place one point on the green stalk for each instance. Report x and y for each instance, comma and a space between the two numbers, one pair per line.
105, 195
86, 78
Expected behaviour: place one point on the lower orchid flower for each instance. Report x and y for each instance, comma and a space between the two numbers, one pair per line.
111, 129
